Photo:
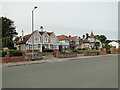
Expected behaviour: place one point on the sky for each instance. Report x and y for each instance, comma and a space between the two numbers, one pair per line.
68, 18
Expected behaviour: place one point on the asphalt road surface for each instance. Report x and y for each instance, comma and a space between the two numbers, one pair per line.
97, 72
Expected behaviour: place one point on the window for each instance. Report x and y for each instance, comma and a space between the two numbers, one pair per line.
77, 41
92, 39
45, 39
30, 46
71, 40
54, 47
37, 39
86, 46
52, 39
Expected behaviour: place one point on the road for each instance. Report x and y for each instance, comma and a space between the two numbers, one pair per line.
97, 72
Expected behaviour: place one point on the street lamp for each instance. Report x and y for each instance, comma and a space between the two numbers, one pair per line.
32, 33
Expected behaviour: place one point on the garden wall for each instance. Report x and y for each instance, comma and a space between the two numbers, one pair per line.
65, 55
47, 53
115, 51
102, 52
89, 53
12, 59
37, 56
24, 57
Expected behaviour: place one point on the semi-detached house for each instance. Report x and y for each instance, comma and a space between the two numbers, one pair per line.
42, 39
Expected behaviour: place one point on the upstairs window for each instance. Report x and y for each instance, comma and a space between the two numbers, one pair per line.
52, 39
37, 39
45, 39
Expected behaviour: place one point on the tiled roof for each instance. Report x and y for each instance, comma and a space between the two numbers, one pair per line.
73, 38
49, 33
26, 37
62, 37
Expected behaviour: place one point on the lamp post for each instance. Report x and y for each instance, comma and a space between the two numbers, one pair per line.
32, 33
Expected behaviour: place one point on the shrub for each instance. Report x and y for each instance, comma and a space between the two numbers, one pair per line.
3, 54
79, 52
12, 53
79, 49
15, 53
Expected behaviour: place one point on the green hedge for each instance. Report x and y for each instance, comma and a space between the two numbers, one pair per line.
3, 54
82, 48
12, 53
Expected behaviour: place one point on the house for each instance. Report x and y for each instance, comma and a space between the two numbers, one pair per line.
42, 39
89, 41
64, 41
72, 42
114, 44
75, 42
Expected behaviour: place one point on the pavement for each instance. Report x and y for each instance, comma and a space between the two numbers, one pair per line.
46, 59
81, 72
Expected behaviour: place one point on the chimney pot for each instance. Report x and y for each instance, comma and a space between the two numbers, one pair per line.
87, 35
41, 28
22, 34
83, 36
69, 35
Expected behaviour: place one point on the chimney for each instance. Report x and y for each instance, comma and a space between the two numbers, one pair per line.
22, 34
83, 36
87, 35
41, 28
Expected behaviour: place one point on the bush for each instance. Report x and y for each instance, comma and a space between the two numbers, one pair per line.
12, 53
79, 52
15, 53
79, 49
3, 54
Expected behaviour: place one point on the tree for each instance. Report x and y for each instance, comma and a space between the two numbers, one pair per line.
8, 28
96, 45
108, 41
6, 42
16, 39
102, 38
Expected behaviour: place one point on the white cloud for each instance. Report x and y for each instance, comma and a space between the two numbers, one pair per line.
66, 17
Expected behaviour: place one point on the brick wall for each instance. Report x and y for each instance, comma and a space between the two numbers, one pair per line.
37, 56
47, 53
115, 51
65, 55
102, 52
89, 53
12, 59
